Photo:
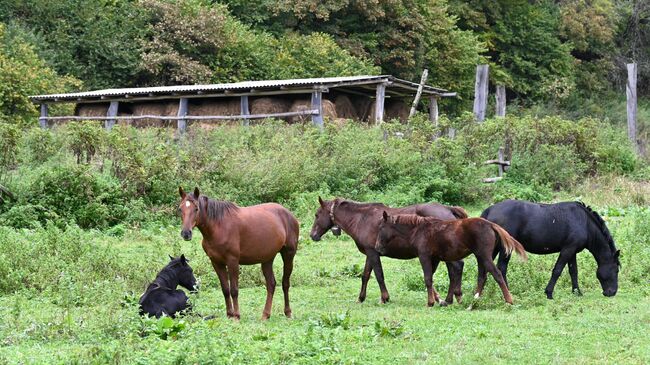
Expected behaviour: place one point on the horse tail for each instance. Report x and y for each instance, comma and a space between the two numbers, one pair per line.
458, 212
508, 242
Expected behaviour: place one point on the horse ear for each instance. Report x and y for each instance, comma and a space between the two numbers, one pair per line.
171, 258
196, 192
617, 254
385, 216
183, 259
181, 192
320, 201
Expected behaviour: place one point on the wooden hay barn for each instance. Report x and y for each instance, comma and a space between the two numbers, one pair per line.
363, 98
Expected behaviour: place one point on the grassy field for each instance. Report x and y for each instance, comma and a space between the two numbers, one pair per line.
69, 296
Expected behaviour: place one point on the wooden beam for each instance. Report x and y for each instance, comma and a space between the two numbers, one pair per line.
181, 124
379, 103
501, 101
317, 104
192, 117
433, 110
492, 179
243, 105
42, 121
111, 113
630, 91
480, 92
416, 100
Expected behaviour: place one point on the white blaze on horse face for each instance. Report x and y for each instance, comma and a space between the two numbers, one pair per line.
187, 204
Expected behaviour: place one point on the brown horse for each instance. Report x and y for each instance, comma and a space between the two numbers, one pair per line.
361, 222
436, 240
235, 235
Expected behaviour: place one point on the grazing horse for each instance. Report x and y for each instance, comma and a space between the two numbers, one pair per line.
567, 228
234, 236
361, 222
436, 240
161, 296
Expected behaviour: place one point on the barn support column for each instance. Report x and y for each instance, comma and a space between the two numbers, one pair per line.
379, 103
244, 108
42, 121
112, 112
181, 125
317, 104
501, 101
480, 92
433, 110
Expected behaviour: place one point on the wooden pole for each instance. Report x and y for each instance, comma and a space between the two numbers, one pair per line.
501, 101
181, 124
43, 119
244, 108
379, 103
433, 110
480, 92
630, 90
423, 81
317, 104
112, 112
500, 164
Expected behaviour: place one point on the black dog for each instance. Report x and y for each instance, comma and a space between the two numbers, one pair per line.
161, 296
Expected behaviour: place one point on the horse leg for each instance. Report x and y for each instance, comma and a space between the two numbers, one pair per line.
502, 264
427, 271
480, 281
222, 273
565, 256
365, 276
496, 274
267, 270
573, 271
233, 273
287, 258
455, 270
375, 262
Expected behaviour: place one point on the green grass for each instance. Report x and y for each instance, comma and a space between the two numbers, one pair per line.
84, 314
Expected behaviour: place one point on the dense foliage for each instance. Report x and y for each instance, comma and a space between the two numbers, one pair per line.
81, 174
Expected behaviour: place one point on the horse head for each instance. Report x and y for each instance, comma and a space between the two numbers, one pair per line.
607, 274
385, 233
189, 211
323, 221
183, 272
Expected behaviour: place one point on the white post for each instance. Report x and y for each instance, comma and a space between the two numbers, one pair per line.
181, 124
112, 111
379, 103
480, 92
243, 103
423, 81
43, 119
501, 101
631, 104
317, 103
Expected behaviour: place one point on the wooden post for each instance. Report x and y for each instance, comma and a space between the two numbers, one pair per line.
630, 90
379, 103
244, 107
43, 119
317, 103
480, 92
501, 101
501, 160
112, 111
433, 110
423, 81
181, 124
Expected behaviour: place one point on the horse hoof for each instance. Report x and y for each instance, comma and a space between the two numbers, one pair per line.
549, 296
430, 304
577, 292
443, 303
361, 299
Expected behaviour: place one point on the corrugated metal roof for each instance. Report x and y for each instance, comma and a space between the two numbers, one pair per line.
238, 86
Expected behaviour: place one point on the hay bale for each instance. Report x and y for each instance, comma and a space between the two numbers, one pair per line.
299, 105
396, 109
91, 109
162, 108
215, 107
268, 105
345, 108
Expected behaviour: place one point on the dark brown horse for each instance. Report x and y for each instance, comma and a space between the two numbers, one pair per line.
436, 240
235, 235
361, 222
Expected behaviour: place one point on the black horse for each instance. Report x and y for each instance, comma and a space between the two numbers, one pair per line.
161, 296
567, 228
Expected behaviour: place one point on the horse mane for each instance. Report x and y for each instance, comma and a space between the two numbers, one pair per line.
458, 212
216, 209
410, 219
362, 205
600, 223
